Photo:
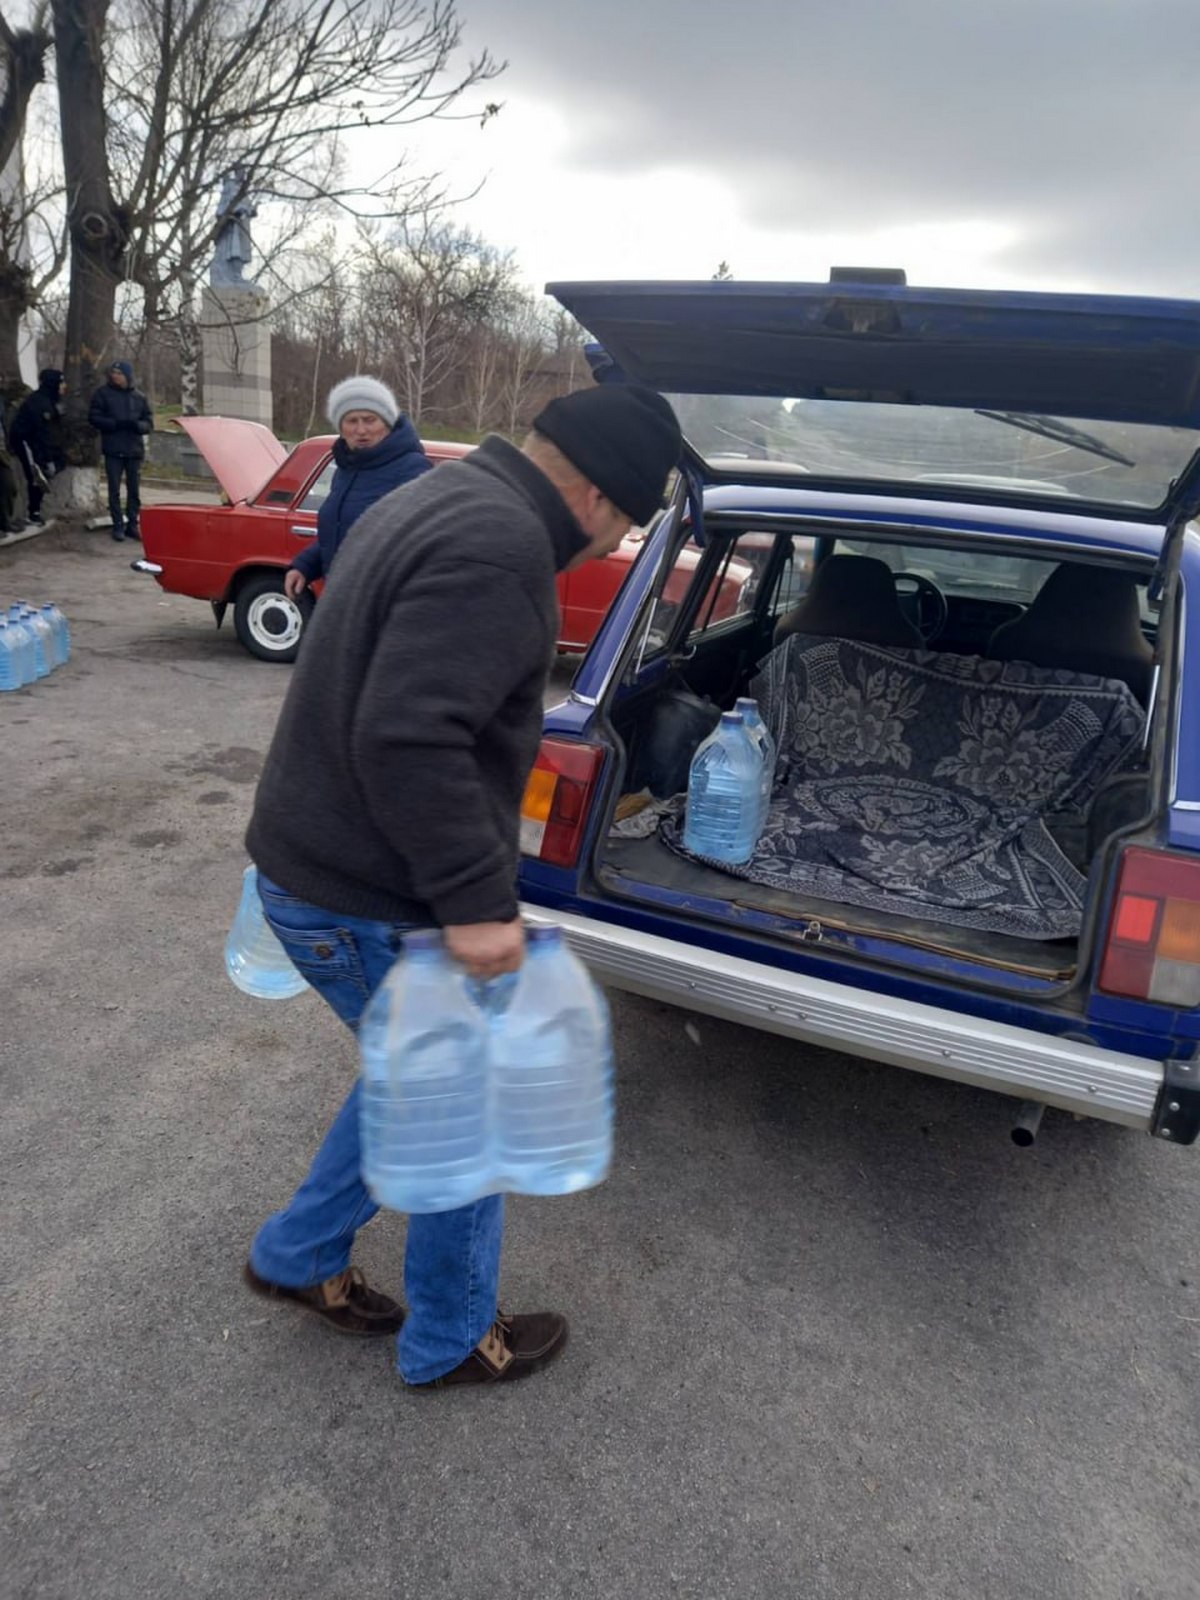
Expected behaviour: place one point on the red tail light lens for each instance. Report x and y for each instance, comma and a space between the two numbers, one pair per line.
1153, 950
558, 798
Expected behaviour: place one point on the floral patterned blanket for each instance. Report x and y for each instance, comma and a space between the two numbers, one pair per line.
918, 782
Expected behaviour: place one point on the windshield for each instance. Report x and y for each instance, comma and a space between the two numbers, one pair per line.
1110, 463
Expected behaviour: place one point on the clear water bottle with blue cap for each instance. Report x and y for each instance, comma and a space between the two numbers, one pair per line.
43, 641
552, 1069
255, 960
724, 797
26, 645
10, 658
426, 1107
761, 735
61, 633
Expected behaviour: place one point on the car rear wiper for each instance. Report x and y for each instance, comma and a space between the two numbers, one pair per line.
1063, 432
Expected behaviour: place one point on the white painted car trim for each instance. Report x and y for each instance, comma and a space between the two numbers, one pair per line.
1066, 1073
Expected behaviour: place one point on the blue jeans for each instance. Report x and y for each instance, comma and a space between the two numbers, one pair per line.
452, 1263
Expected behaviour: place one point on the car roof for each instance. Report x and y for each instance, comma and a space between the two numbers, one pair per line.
936, 516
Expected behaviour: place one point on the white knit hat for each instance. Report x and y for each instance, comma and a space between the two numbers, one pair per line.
362, 394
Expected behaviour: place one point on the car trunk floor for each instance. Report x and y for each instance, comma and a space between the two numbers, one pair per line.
626, 863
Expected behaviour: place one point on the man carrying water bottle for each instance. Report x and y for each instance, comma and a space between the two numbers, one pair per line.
390, 800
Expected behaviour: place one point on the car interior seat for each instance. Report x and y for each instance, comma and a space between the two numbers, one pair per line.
1082, 619
852, 597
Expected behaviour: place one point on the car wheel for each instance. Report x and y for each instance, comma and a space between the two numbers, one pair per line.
268, 623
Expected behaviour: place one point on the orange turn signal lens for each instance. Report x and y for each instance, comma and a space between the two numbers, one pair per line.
1179, 936
539, 794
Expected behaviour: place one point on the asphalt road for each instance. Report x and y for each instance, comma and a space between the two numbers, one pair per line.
834, 1336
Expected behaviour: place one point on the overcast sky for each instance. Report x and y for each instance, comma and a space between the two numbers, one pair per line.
1020, 143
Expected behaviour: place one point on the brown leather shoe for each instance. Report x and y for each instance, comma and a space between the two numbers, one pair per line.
512, 1348
346, 1302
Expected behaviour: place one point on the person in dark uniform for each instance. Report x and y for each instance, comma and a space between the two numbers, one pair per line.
121, 415
35, 437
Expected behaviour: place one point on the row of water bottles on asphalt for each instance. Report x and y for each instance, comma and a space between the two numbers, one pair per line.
34, 639
468, 1088
729, 787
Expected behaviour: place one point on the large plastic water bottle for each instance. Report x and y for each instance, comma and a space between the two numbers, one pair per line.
254, 958
724, 797
26, 645
10, 658
43, 641
552, 1069
426, 1108
61, 633
761, 735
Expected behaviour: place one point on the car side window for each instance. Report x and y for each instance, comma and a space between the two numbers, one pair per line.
733, 586
318, 491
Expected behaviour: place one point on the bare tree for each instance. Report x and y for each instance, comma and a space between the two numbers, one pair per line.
424, 291
23, 52
268, 92
97, 225
526, 341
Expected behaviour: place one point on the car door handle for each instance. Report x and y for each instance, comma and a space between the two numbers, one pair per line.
305, 533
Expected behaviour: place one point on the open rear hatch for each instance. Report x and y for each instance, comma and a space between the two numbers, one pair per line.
1112, 386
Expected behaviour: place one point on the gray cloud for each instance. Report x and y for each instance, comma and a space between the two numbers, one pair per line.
1075, 120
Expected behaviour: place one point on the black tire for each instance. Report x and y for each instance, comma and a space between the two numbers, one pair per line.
268, 624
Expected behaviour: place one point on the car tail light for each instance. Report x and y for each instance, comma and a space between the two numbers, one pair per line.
1153, 950
557, 800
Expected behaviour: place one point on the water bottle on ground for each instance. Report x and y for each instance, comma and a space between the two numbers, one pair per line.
426, 1107
254, 958
551, 1055
10, 658
43, 640
724, 797
26, 646
761, 735
62, 634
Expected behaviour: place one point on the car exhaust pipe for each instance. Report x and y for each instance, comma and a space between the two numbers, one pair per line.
1029, 1120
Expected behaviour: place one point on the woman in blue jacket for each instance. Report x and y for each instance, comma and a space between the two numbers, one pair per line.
377, 450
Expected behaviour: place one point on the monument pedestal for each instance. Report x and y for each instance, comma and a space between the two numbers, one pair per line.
235, 344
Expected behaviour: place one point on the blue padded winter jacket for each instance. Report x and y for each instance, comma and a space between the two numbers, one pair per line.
361, 478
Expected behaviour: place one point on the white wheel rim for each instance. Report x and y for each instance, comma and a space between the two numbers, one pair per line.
274, 621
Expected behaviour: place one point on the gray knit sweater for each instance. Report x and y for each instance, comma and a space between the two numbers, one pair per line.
393, 784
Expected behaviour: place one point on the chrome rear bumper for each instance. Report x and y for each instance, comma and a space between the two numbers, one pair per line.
991, 1055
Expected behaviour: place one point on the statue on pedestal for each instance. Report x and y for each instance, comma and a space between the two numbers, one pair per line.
233, 245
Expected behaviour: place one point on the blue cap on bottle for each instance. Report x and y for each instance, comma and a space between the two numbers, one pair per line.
733, 719
422, 941
544, 933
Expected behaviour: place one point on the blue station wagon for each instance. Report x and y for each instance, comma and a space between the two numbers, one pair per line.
968, 605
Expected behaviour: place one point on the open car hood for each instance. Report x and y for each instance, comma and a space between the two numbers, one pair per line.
242, 455
1107, 359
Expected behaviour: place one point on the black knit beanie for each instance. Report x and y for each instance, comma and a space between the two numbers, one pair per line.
624, 439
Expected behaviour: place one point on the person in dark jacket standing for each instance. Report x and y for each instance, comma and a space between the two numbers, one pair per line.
377, 450
122, 416
36, 437
390, 800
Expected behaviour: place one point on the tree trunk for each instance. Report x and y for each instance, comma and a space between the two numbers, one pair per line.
97, 230
24, 54
14, 303
189, 357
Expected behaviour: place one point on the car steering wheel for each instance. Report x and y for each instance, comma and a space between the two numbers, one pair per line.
922, 602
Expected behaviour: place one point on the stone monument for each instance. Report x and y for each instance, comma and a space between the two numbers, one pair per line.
235, 337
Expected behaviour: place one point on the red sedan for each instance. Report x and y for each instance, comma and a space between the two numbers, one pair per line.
235, 554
